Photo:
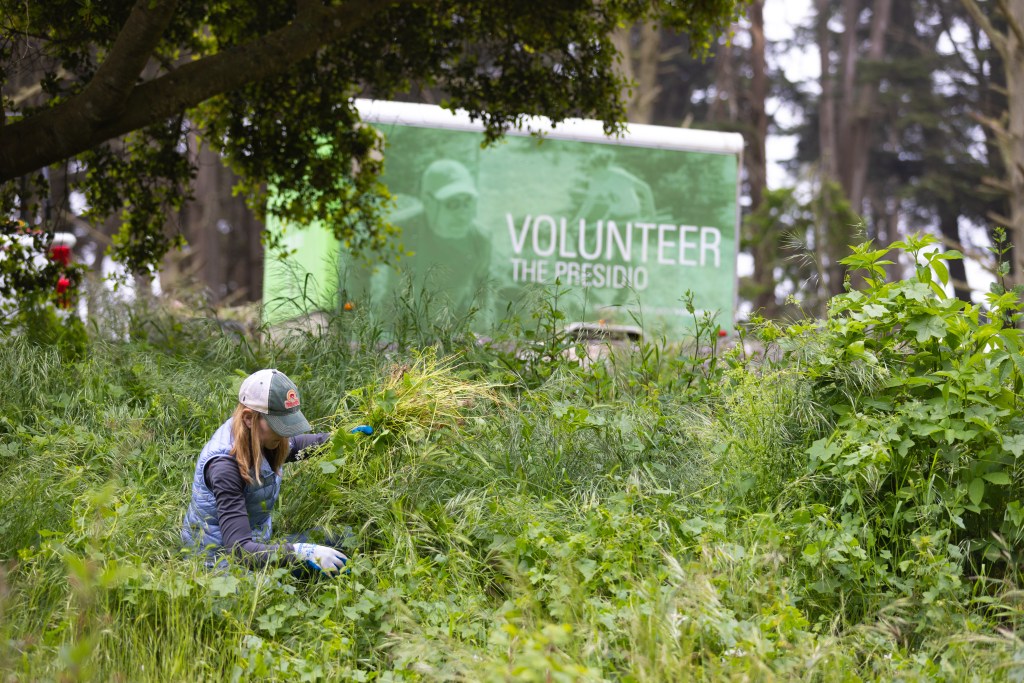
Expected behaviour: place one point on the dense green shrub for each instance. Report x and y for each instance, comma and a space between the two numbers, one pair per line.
918, 481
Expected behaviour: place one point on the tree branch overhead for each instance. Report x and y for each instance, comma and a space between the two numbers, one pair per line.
998, 38
267, 86
114, 80
110, 106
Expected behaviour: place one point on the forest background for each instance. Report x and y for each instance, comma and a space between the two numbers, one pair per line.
888, 118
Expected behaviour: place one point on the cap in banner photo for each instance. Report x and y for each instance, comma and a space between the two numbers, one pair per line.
446, 178
276, 397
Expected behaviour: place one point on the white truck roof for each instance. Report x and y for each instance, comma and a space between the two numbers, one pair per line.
584, 130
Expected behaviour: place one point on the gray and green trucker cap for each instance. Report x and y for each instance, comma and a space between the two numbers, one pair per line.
276, 397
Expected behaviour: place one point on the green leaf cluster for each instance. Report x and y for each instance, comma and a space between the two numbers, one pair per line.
30, 301
920, 469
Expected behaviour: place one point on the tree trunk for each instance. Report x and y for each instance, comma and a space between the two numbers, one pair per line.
829, 147
859, 103
949, 224
845, 120
640, 47
1011, 146
765, 247
114, 104
224, 255
726, 105
756, 156
1008, 131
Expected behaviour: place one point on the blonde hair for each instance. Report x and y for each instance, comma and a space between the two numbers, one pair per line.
247, 448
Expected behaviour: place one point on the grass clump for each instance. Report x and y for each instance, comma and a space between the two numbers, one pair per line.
415, 399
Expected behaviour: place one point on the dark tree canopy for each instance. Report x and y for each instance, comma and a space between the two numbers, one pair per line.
112, 89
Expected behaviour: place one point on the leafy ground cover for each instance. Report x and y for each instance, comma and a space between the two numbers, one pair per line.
846, 506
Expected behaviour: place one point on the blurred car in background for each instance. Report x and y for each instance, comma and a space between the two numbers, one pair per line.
596, 341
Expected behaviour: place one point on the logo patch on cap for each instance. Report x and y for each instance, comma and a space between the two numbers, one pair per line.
291, 399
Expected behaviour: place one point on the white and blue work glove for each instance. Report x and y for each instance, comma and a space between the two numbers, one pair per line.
321, 557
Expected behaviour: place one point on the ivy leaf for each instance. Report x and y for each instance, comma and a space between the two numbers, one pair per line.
587, 567
924, 428
857, 350
954, 434
1014, 444
812, 553
1010, 339
1015, 513
917, 291
1018, 362
878, 403
822, 451
223, 586
929, 327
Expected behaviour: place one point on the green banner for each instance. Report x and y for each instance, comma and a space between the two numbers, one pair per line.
300, 275
624, 231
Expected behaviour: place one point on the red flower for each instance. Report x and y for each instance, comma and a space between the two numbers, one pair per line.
62, 285
61, 253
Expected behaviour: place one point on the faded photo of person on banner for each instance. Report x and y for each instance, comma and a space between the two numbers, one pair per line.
611, 193
451, 253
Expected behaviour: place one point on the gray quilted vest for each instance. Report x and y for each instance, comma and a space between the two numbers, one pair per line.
201, 528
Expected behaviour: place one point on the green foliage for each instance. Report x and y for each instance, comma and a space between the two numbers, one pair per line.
33, 285
920, 471
1001, 249
814, 516
272, 91
531, 353
794, 235
140, 182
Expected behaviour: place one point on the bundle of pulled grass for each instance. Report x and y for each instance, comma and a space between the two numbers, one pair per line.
415, 400
418, 411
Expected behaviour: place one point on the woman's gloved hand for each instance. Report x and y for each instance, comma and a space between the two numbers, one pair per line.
322, 557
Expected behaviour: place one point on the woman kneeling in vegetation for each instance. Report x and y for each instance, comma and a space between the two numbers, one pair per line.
238, 478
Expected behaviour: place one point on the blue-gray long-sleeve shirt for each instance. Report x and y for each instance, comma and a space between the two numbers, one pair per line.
225, 481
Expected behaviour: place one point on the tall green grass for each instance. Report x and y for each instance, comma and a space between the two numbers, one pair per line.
511, 523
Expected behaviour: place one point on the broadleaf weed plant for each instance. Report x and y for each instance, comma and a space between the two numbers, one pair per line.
921, 472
